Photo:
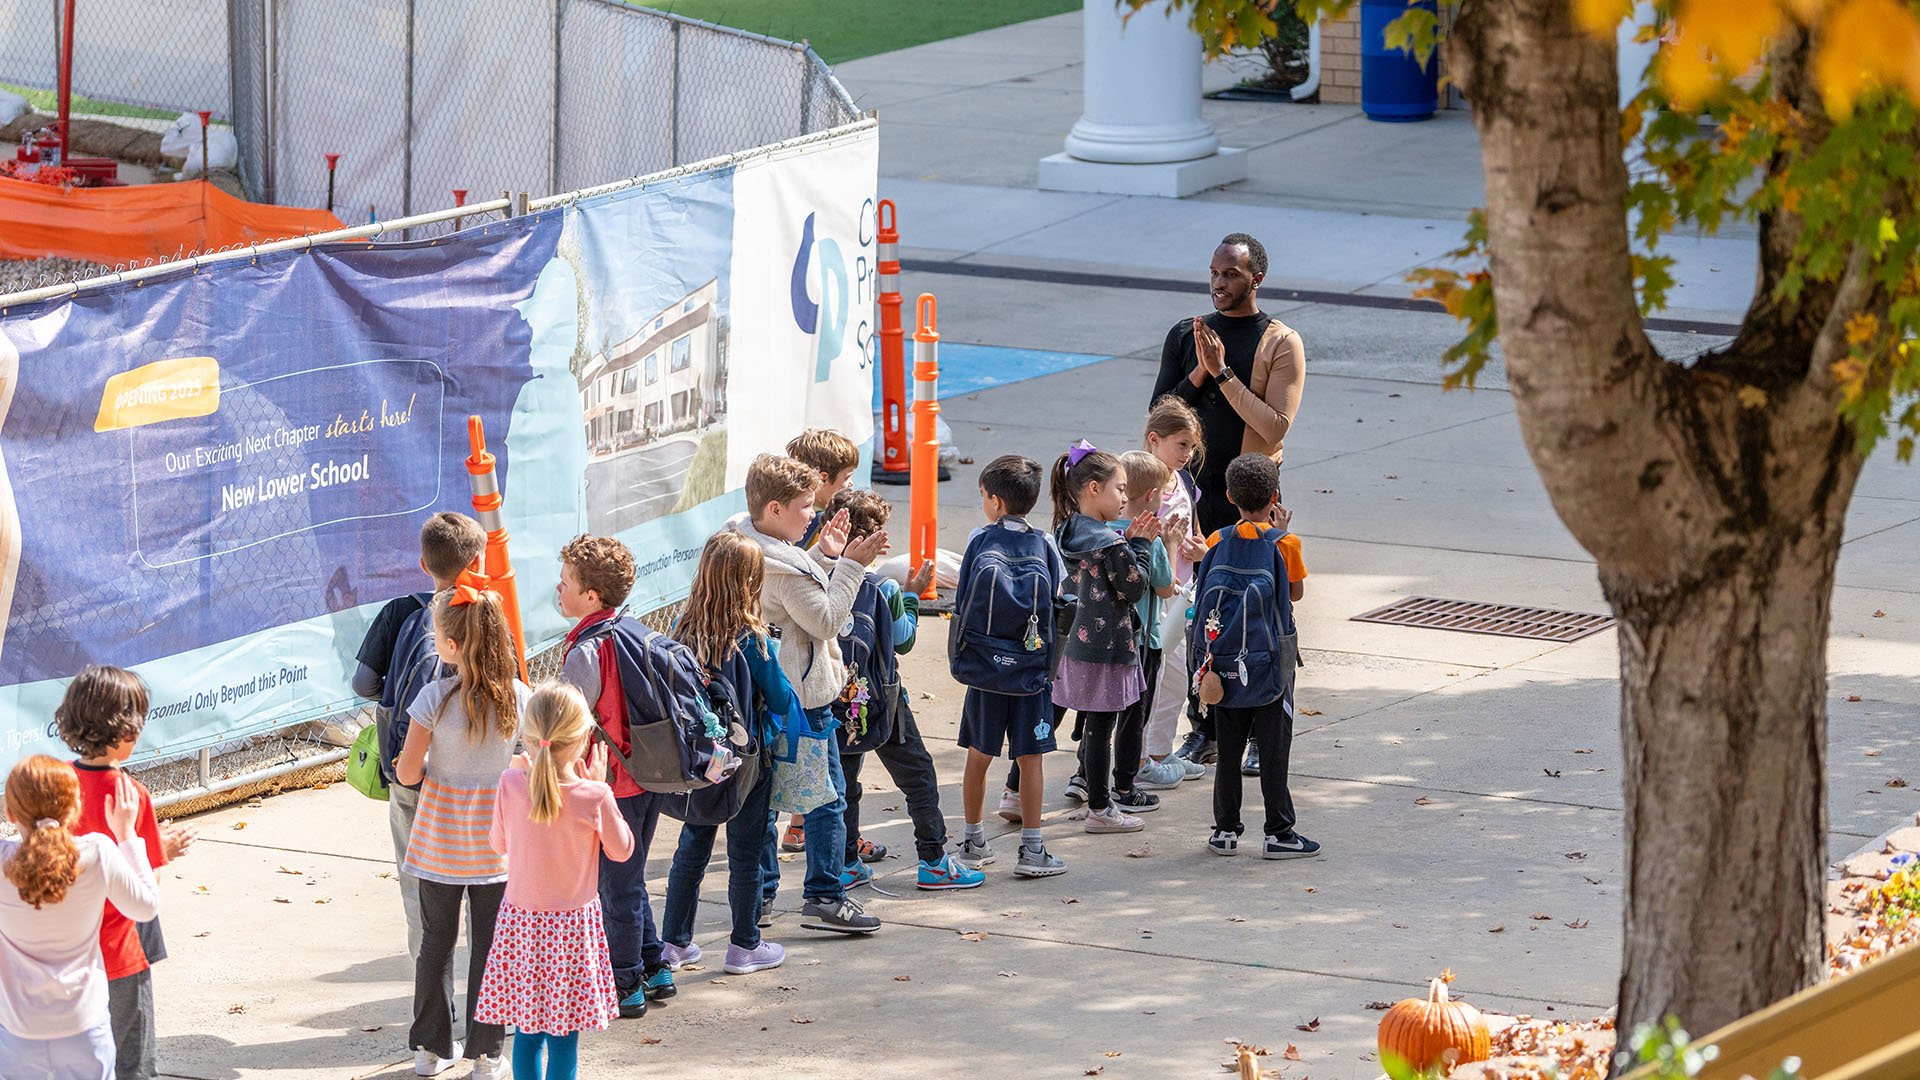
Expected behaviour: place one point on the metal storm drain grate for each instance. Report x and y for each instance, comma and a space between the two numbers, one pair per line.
1507, 620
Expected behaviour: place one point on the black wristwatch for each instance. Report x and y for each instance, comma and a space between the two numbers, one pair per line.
1226, 376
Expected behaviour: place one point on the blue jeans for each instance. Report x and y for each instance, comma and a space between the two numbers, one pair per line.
633, 944
746, 842
826, 829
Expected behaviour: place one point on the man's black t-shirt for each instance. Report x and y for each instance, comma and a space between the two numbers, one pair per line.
1222, 428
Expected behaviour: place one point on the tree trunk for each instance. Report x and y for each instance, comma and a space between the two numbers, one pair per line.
1712, 496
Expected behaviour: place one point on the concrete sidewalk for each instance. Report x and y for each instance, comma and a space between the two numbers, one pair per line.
1466, 788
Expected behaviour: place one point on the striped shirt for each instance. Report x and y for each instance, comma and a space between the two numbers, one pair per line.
450, 842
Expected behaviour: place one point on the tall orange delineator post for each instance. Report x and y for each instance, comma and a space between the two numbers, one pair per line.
892, 468
486, 507
924, 537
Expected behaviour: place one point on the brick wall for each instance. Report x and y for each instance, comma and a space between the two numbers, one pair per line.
1340, 59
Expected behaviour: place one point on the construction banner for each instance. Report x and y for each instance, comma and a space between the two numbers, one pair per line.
216, 478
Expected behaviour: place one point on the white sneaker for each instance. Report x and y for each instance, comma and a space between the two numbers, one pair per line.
427, 1063
974, 854
492, 1067
1112, 820
1010, 807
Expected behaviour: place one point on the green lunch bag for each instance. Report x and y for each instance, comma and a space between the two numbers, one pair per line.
363, 764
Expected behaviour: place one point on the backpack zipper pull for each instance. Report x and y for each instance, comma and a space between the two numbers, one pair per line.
1240, 667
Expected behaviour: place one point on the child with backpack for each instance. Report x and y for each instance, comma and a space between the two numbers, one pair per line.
396, 661
807, 596
631, 677
547, 974
1099, 671
1002, 647
459, 740
722, 626
1174, 436
834, 457
1147, 478
1242, 653
100, 718
876, 716
54, 1014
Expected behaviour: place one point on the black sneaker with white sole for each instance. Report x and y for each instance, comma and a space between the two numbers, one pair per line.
1198, 749
1223, 842
1136, 801
842, 916
1290, 846
1077, 789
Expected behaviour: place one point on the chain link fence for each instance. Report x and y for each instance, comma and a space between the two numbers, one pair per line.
419, 98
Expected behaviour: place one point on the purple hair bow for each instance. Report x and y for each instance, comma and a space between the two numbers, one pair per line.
1080, 450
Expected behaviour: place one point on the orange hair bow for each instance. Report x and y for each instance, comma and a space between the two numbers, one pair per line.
468, 587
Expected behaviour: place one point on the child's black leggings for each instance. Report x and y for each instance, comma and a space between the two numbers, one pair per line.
1115, 741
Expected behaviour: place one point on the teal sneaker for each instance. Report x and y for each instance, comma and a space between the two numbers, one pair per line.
948, 874
855, 874
633, 1003
659, 984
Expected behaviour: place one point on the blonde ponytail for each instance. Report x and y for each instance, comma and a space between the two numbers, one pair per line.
557, 720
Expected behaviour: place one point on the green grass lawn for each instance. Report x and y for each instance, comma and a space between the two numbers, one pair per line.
848, 29
707, 476
47, 101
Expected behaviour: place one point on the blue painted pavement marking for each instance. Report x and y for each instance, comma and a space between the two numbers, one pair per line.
969, 369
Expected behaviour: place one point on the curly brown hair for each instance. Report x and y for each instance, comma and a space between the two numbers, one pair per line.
47, 864
867, 511
104, 706
603, 565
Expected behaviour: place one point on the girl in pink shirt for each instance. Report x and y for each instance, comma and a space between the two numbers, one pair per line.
1174, 436
547, 974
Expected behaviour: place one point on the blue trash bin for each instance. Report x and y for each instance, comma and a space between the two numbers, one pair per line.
1394, 87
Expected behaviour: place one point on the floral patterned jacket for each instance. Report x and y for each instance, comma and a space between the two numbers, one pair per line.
1108, 574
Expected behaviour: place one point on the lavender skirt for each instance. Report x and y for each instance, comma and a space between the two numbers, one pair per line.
1090, 687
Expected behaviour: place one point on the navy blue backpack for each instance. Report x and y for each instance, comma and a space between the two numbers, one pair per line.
867, 704
1003, 631
412, 667
1242, 628
671, 725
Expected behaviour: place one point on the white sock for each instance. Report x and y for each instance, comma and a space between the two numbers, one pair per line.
1030, 838
974, 830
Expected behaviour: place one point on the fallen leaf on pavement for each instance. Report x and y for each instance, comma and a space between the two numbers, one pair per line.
903, 978
649, 1040
973, 935
1591, 880
1896, 782
290, 870
1575, 855
1009, 974
789, 988
1069, 899
1577, 924
236, 1009
281, 900
1581, 750
1111, 1053
1143, 851
1379, 1006
1540, 916
204, 933
1423, 801
1879, 614
1311, 1025
202, 890
376, 1028
1853, 697
1312, 889
1551, 772
802, 1019
238, 825
1095, 1071
1873, 753
324, 900
1309, 712
1236, 918
1291, 1053
1501, 929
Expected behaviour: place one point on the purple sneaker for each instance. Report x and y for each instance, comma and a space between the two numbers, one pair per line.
675, 955
760, 958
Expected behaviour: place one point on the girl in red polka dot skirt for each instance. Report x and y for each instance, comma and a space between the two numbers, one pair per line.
547, 975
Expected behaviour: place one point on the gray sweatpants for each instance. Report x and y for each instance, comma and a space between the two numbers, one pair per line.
130, 1011
402, 804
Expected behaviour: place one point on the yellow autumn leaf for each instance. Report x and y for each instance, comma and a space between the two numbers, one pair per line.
1686, 71
1599, 17
1866, 44
1862, 328
1808, 11
1752, 397
1715, 40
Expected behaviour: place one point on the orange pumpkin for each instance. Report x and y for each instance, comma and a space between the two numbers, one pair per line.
1435, 1030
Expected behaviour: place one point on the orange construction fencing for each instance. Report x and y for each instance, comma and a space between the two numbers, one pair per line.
114, 225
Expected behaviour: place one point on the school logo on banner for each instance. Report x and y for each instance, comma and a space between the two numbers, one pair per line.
829, 318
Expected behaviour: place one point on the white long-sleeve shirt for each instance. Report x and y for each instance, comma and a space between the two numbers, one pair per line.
52, 980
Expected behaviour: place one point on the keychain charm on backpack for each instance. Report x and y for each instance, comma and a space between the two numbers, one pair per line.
1206, 681
1033, 641
855, 696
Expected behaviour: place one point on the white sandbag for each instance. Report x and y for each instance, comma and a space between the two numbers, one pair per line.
12, 107
946, 568
949, 450
224, 148
174, 142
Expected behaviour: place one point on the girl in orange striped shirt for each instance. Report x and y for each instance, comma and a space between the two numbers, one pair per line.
461, 739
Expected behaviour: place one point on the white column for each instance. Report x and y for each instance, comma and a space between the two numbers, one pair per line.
1141, 131
1142, 86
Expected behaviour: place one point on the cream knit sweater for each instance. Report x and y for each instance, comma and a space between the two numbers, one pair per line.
809, 598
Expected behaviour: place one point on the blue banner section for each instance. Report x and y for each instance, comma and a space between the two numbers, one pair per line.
218, 477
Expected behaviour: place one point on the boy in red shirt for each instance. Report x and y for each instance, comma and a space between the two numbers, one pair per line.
100, 719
